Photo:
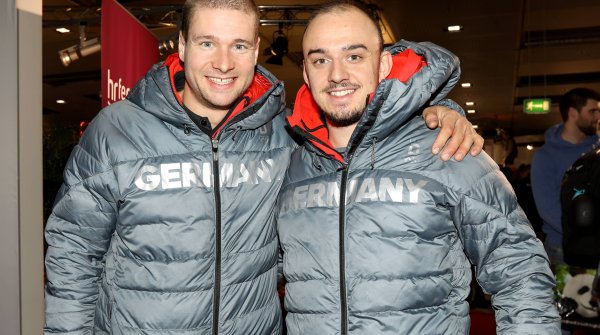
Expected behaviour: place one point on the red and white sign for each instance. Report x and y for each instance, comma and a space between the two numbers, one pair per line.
129, 49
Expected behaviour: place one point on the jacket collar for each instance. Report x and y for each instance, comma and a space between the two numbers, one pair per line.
156, 93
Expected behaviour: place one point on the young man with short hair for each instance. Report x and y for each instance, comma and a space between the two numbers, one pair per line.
378, 236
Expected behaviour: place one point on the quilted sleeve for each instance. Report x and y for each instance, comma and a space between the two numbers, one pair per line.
510, 262
78, 234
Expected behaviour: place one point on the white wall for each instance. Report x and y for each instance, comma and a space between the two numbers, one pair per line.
9, 174
21, 241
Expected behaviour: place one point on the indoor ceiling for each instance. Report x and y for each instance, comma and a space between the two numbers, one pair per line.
510, 50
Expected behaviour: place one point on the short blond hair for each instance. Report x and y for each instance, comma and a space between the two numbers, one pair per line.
246, 6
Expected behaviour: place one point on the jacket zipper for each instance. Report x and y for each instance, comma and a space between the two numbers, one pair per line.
352, 146
342, 226
342, 256
217, 190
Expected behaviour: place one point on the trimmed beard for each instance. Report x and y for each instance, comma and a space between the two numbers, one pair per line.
344, 120
588, 130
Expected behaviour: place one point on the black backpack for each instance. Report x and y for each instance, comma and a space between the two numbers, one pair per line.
580, 203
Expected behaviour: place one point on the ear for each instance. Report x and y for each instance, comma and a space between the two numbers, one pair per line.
304, 74
256, 50
385, 65
181, 47
573, 113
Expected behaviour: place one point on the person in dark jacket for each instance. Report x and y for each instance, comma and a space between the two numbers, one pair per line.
165, 223
378, 236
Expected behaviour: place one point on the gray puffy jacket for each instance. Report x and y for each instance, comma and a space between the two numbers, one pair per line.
144, 240
380, 240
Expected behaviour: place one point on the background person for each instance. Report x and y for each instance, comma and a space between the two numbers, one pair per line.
564, 143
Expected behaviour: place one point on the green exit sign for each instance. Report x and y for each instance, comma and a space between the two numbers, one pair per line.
536, 106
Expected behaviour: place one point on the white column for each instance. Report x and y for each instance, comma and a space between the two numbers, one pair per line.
9, 173
21, 218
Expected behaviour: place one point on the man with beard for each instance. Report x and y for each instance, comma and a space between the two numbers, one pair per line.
564, 144
378, 236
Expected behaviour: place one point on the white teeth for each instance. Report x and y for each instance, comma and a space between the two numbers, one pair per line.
341, 93
220, 81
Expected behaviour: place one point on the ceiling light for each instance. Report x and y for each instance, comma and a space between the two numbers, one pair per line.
471, 111
465, 85
529, 147
84, 48
73, 53
475, 126
470, 103
454, 29
278, 49
61, 102
63, 30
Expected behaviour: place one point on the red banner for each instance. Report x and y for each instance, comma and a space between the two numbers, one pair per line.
128, 51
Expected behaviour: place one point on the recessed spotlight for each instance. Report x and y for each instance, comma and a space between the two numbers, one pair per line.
475, 126
470, 103
454, 28
529, 147
63, 30
471, 111
61, 102
465, 85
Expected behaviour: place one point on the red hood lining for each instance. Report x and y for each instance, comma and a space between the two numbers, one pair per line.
307, 115
259, 86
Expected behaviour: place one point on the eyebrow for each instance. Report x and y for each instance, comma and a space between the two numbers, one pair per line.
202, 37
315, 51
355, 46
241, 40
346, 48
214, 38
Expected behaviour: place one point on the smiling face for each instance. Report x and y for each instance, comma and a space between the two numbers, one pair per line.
343, 63
219, 57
